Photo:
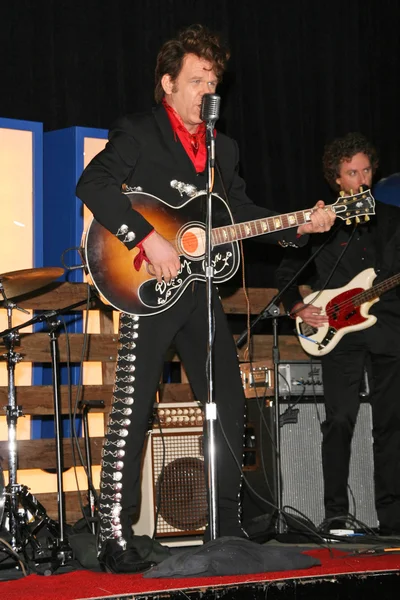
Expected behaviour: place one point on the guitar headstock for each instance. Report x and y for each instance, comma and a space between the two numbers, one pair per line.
356, 206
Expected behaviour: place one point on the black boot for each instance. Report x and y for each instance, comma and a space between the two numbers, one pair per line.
114, 559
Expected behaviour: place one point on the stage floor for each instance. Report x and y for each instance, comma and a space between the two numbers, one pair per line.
346, 570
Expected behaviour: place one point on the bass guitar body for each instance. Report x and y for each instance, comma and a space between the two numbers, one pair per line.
345, 314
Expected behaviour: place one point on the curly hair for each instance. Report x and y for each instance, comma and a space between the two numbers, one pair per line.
343, 149
197, 40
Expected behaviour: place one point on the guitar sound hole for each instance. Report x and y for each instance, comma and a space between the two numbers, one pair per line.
192, 242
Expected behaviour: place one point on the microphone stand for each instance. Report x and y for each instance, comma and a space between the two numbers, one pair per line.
210, 407
272, 311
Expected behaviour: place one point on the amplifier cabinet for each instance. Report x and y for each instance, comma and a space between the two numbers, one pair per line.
174, 494
301, 462
300, 378
296, 378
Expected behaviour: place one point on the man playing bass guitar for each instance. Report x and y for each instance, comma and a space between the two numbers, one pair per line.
350, 162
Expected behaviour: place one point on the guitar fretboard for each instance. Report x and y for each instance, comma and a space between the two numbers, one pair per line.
240, 231
376, 290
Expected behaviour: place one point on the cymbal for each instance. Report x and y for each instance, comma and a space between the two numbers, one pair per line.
17, 283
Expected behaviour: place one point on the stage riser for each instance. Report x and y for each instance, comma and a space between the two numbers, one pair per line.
344, 587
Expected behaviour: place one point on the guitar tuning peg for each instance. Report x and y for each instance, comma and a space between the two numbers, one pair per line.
357, 219
342, 193
361, 188
351, 191
348, 221
366, 218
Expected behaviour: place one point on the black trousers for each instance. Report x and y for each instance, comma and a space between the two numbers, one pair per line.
342, 375
144, 342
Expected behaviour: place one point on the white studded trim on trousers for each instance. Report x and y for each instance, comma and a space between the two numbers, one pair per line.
113, 453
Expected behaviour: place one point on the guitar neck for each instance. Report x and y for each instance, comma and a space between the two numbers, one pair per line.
376, 290
249, 229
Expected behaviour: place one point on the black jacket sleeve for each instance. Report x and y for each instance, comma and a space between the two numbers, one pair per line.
99, 186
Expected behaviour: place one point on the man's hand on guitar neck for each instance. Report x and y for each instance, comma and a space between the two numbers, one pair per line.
310, 314
322, 220
162, 256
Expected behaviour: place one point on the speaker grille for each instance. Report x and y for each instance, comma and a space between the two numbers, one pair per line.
301, 464
179, 487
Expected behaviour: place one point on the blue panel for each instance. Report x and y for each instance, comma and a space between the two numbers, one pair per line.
62, 230
63, 211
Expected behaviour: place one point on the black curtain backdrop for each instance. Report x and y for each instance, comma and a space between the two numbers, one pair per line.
301, 73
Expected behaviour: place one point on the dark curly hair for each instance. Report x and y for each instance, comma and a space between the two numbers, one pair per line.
197, 40
343, 149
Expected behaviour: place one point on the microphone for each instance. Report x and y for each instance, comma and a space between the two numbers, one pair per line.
209, 113
210, 104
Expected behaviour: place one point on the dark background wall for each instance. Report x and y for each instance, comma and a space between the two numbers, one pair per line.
301, 72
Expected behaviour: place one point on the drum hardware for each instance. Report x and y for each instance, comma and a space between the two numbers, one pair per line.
22, 532
17, 493
11, 339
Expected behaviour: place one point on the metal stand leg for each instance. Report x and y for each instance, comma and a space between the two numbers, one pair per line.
86, 405
12, 412
63, 550
281, 526
209, 114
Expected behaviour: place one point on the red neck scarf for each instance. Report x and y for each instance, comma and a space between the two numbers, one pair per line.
194, 143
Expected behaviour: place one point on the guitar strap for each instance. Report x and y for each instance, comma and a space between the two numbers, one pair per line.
335, 266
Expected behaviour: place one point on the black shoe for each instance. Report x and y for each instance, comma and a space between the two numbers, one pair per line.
333, 524
115, 560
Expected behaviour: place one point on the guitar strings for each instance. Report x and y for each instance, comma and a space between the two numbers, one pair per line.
352, 302
270, 220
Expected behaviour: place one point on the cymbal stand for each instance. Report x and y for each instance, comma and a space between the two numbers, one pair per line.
16, 492
12, 413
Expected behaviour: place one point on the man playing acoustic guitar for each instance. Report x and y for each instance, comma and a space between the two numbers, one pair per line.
162, 155
348, 163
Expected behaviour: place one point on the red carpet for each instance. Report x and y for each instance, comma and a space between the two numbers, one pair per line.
80, 585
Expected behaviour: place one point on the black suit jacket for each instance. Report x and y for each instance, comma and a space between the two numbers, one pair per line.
143, 151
